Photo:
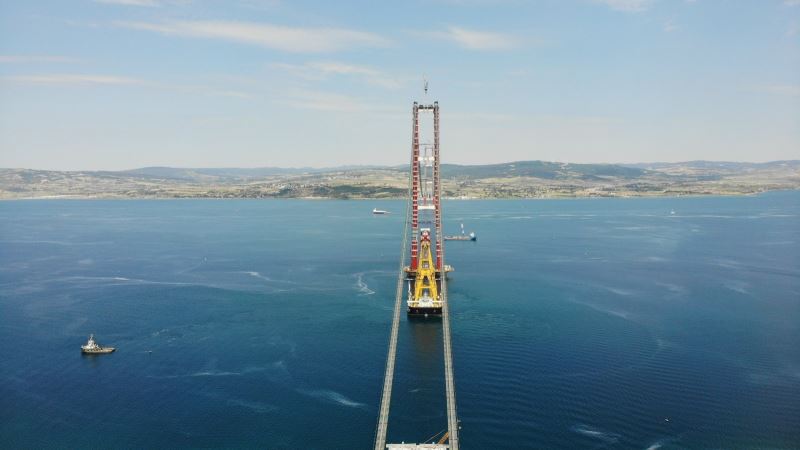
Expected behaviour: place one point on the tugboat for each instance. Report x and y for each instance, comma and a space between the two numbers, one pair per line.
93, 348
463, 237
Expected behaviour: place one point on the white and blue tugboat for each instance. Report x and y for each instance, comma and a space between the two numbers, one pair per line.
93, 348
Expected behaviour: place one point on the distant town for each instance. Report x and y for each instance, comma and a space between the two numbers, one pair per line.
521, 179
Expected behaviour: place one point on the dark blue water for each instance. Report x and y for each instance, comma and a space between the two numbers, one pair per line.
241, 323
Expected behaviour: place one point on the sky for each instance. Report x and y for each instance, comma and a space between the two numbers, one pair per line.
120, 84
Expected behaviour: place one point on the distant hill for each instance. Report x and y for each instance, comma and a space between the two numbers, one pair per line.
719, 165
519, 179
541, 169
536, 169
217, 174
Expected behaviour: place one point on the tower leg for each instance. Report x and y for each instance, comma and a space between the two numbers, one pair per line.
414, 186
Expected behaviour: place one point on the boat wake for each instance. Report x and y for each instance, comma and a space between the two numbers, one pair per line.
737, 286
361, 286
620, 291
258, 275
656, 445
591, 432
116, 280
223, 373
257, 407
331, 397
209, 373
255, 274
662, 442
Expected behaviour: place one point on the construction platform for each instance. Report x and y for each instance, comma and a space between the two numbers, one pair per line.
416, 309
417, 446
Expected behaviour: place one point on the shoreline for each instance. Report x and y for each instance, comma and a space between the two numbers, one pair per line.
553, 197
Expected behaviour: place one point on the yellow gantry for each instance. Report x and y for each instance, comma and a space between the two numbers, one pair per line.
425, 283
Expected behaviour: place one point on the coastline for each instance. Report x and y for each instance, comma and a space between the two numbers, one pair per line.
393, 198
519, 180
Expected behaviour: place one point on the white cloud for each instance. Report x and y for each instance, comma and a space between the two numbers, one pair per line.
323, 101
626, 5
25, 59
475, 2
277, 37
55, 79
108, 80
793, 30
130, 2
263, 5
332, 102
342, 68
791, 90
321, 70
473, 39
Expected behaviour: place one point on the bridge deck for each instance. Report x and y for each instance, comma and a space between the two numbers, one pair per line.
449, 379
450, 390
386, 397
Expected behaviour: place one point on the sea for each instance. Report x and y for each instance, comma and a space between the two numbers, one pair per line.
629, 323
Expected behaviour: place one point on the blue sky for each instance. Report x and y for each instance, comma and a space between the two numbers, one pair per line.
118, 84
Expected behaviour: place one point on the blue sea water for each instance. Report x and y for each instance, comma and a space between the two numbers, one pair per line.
595, 323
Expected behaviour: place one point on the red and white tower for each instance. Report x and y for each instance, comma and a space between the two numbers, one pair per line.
426, 267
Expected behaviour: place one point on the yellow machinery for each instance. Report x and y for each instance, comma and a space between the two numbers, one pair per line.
425, 284
424, 297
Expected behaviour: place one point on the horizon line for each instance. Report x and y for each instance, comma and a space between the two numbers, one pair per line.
400, 165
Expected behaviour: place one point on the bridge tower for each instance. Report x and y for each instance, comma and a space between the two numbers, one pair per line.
425, 271
424, 280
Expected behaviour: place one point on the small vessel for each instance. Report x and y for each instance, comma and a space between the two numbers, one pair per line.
463, 236
94, 348
379, 211
672, 212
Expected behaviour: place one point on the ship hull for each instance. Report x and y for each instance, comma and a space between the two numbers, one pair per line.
424, 312
101, 351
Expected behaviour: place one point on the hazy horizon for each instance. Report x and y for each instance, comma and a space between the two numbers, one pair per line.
319, 167
120, 84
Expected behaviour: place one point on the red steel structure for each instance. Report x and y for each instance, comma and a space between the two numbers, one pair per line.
425, 197
415, 187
